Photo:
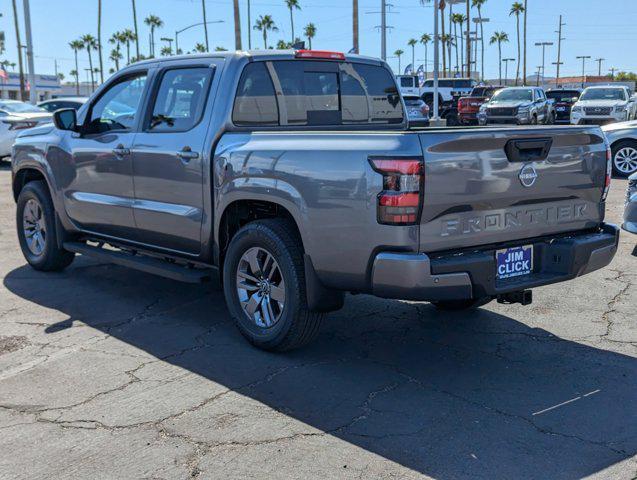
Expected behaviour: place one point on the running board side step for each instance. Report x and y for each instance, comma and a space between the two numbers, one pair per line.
143, 263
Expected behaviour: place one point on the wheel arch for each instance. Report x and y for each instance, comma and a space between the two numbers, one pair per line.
24, 176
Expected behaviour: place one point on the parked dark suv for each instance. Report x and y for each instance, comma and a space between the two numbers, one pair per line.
563, 101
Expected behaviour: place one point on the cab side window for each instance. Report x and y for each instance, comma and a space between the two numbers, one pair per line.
180, 100
118, 107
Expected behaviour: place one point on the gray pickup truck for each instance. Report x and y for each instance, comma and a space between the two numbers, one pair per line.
294, 176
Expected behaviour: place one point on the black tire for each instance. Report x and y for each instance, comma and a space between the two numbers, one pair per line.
51, 258
458, 305
534, 120
297, 325
631, 145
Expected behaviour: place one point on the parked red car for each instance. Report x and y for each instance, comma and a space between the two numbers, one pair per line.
468, 107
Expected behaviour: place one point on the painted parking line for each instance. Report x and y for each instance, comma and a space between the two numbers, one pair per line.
566, 402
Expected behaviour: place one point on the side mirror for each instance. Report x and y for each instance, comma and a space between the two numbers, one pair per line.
65, 119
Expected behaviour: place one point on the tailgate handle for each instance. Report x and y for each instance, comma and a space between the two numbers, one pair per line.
528, 149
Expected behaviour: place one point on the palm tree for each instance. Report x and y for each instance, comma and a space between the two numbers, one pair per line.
425, 39
310, 33
399, 53
412, 42
23, 94
265, 24
458, 20
166, 51
525, 15
128, 36
447, 39
153, 21
355, 25
516, 9
237, 25
76, 46
136, 32
479, 4
220, 49
442, 38
99, 39
499, 38
283, 45
115, 57
199, 48
292, 5
90, 43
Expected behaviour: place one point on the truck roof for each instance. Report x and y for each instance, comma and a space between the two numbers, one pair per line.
258, 55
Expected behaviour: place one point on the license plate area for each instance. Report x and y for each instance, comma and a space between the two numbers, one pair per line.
514, 262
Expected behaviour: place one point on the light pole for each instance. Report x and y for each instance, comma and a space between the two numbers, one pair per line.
543, 45
537, 78
436, 61
169, 41
599, 66
177, 32
506, 69
480, 21
583, 58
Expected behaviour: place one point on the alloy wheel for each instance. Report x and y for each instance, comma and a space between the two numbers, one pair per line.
34, 227
260, 287
626, 160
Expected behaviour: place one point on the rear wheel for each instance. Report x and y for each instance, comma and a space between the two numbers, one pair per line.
35, 220
534, 120
625, 158
458, 305
264, 286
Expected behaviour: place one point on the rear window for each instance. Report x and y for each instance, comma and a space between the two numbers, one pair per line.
464, 83
563, 95
315, 93
407, 82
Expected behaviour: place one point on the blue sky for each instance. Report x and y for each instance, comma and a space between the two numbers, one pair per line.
600, 29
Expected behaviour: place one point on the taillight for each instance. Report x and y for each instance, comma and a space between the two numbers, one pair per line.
401, 199
609, 168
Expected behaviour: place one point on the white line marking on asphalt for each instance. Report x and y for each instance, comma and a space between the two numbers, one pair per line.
566, 402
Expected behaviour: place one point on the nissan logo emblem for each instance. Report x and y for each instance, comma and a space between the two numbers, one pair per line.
527, 175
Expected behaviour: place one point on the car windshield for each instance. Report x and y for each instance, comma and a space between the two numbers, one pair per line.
563, 95
603, 94
20, 107
513, 94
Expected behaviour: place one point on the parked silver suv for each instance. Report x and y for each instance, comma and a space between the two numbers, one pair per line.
517, 105
604, 104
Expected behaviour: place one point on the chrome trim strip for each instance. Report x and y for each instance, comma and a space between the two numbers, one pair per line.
101, 199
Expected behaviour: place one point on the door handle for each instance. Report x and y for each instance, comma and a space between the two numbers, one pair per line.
120, 151
186, 154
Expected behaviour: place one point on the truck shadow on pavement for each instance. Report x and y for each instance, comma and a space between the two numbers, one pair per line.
452, 396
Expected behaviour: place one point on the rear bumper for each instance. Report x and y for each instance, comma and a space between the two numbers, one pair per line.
465, 275
468, 118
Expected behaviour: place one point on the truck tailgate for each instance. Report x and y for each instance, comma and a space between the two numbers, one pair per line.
486, 186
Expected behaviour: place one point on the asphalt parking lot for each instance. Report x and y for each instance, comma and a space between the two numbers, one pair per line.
112, 373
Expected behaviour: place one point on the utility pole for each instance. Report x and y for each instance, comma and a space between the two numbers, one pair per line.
583, 58
612, 71
559, 51
537, 81
33, 97
20, 64
205, 24
599, 66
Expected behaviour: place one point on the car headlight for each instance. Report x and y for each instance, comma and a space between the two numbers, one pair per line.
483, 108
621, 108
576, 109
524, 110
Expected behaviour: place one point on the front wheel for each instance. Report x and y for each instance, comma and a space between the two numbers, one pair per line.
264, 286
35, 221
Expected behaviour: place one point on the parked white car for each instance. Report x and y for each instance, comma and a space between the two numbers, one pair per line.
448, 89
16, 116
622, 138
604, 104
